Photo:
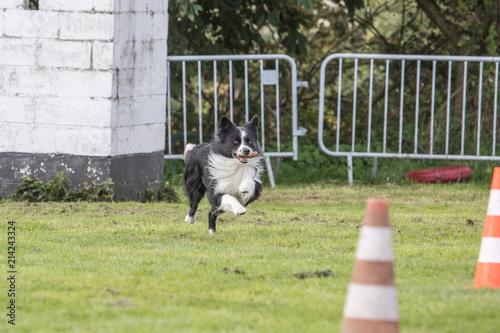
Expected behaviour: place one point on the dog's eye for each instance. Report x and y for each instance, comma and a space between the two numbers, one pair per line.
236, 142
249, 141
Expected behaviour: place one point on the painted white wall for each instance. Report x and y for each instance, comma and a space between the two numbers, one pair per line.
84, 77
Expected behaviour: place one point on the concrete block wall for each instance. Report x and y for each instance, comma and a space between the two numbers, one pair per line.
84, 80
140, 54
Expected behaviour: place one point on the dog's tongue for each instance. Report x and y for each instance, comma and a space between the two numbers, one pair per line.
243, 158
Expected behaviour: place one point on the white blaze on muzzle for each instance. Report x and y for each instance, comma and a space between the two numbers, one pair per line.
243, 151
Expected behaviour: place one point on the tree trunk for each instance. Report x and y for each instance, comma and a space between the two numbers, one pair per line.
433, 12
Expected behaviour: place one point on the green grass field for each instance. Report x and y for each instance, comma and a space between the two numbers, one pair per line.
131, 267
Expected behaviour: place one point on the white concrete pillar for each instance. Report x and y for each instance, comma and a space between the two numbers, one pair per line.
82, 89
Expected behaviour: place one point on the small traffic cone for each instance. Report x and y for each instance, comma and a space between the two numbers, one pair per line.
488, 264
371, 303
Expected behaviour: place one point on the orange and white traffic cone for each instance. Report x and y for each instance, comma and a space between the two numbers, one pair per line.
488, 264
371, 303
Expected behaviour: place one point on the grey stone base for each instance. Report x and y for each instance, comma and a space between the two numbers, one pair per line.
131, 174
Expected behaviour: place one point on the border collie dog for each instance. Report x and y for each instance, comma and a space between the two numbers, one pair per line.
228, 170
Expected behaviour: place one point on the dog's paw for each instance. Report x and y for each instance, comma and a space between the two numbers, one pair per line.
247, 186
190, 219
240, 210
211, 231
230, 204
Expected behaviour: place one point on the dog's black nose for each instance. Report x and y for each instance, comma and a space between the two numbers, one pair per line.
245, 151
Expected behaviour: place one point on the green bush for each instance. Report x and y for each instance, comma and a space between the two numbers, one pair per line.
166, 194
32, 190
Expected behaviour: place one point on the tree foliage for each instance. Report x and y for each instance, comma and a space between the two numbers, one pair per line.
237, 26
433, 27
252, 26
244, 26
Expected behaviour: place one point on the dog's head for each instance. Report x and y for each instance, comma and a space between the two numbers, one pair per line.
241, 143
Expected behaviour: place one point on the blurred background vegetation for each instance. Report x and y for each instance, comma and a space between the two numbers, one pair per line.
309, 31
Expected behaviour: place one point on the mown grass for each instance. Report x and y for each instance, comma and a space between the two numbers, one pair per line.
131, 267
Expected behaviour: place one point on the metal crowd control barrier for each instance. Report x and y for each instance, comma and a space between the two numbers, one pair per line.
416, 118
268, 77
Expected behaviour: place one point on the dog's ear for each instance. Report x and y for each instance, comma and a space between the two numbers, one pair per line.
225, 124
254, 123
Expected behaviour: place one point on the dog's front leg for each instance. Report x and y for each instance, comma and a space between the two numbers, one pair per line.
247, 186
230, 204
253, 189
212, 218
222, 203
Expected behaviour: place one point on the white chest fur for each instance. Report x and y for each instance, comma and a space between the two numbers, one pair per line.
233, 177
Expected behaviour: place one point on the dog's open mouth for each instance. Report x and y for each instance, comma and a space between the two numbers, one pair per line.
244, 159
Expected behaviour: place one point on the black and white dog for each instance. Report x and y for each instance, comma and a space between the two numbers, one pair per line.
228, 169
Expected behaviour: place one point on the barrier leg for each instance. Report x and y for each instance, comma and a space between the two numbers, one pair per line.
270, 174
374, 170
277, 162
349, 170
